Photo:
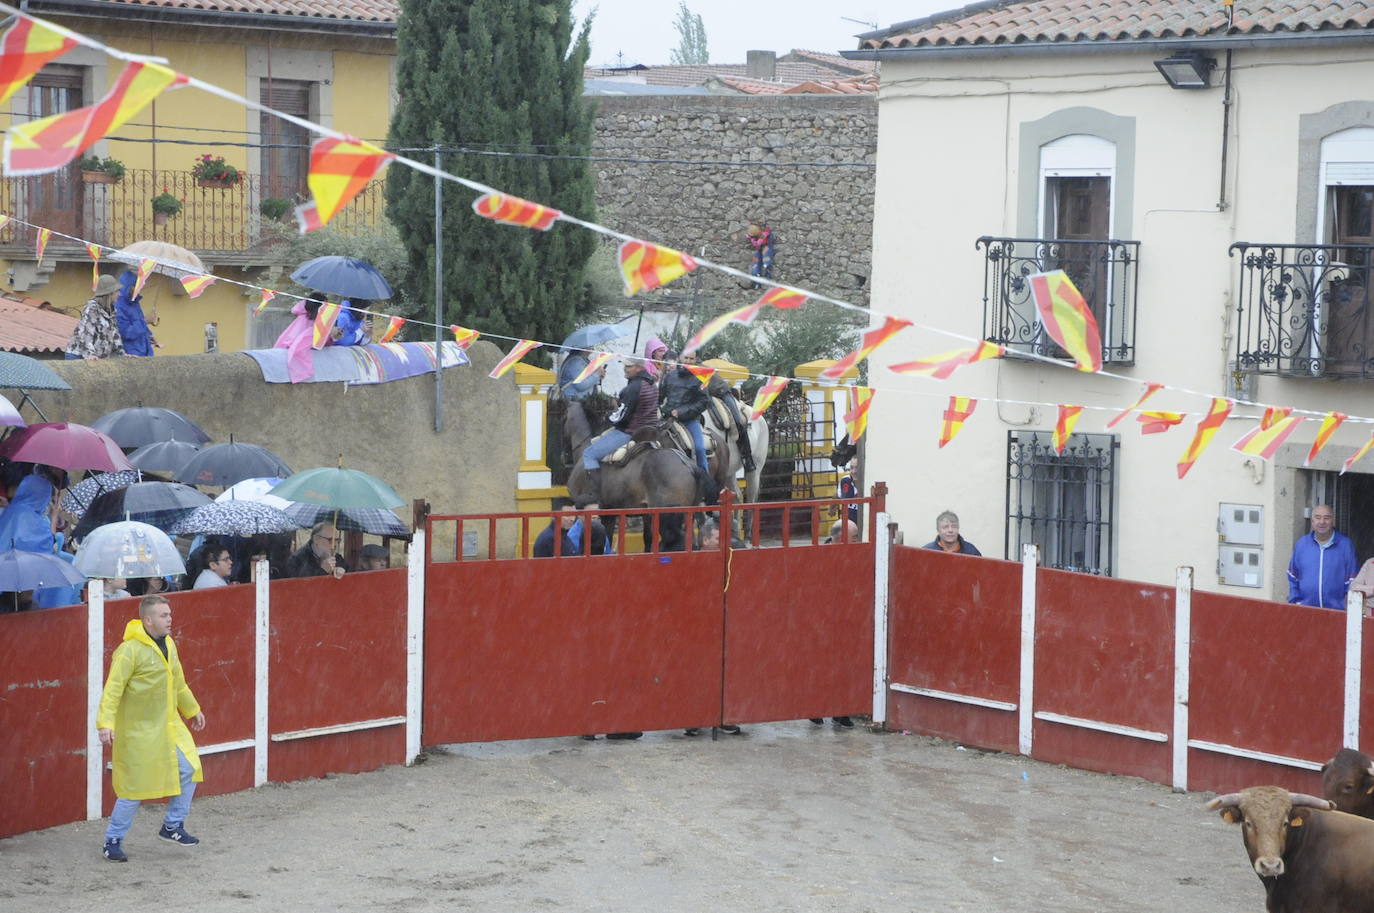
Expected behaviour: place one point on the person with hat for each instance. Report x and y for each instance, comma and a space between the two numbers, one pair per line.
638, 409
97, 332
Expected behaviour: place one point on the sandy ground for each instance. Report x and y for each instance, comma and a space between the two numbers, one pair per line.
786, 817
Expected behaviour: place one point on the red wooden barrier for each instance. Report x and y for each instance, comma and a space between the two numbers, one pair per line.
954, 625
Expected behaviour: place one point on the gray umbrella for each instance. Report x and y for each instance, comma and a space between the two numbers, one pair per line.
76, 499
595, 334
164, 456
372, 520
234, 518
28, 373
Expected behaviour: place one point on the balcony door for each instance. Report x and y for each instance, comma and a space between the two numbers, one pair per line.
54, 200
1076, 174
1349, 330
286, 146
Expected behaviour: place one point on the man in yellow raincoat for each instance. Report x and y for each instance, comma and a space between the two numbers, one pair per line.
141, 713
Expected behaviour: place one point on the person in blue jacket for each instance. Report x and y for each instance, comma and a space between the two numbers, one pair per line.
133, 326
1322, 565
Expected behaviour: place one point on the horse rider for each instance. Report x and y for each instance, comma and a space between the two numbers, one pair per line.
638, 409
719, 387
683, 397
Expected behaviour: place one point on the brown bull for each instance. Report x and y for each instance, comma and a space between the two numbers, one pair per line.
1348, 781
1309, 860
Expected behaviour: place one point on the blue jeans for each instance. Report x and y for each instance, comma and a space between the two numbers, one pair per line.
605, 445
698, 443
178, 806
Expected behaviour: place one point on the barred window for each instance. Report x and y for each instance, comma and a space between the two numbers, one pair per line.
1062, 503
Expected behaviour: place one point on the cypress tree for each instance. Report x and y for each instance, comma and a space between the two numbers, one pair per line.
499, 76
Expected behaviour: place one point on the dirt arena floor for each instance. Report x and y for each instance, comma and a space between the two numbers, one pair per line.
787, 817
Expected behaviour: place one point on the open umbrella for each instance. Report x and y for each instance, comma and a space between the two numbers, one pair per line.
254, 490
21, 570
172, 260
347, 277
76, 499
140, 425
28, 373
593, 335
234, 518
10, 415
65, 445
225, 464
128, 549
338, 487
372, 520
158, 504
163, 456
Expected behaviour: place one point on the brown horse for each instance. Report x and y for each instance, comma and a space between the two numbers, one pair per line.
660, 477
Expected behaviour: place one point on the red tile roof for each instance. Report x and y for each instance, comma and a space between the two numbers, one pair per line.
833, 61
1004, 22
854, 85
30, 325
381, 11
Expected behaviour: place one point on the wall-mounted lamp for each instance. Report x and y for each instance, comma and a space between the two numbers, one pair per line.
1187, 70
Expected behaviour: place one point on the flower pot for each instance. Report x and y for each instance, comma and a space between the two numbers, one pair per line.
214, 182
98, 177
160, 218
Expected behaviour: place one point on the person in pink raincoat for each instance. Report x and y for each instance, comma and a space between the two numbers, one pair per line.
297, 339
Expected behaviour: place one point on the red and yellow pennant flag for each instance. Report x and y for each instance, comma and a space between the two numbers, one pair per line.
145, 269
44, 236
956, 413
1263, 440
324, 324
509, 210
1207, 428
463, 336
267, 295
1158, 422
520, 350
195, 285
765, 396
703, 373
856, 419
946, 363
393, 326
1358, 455
26, 47
1063, 426
1151, 388
647, 266
1329, 425
339, 170
45, 145
1274, 414
1067, 318
869, 344
599, 359
93, 251
744, 315
783, 298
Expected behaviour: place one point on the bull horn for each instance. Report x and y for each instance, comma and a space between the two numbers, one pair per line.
1300, 800
1230, 800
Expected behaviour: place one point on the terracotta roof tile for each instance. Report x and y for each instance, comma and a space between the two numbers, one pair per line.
1046, 21
833, 61
787, 72
30, 325
355, 10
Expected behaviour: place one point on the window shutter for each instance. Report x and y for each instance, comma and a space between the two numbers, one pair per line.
288, 96
1350, 172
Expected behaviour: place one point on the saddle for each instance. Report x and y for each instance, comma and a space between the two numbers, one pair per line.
683, 440
621, 456
722, 415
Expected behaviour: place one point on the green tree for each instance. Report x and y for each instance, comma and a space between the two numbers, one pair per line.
691, 38
500, 76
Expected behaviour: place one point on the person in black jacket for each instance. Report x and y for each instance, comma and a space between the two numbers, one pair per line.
681, 396
638, 409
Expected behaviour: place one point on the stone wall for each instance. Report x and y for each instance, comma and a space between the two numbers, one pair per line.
823, 216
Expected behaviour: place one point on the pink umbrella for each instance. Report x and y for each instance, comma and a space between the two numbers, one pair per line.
10, 415
65, 445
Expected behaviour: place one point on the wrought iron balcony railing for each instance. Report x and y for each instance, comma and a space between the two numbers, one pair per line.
1104, 272
1303, 309
218, 220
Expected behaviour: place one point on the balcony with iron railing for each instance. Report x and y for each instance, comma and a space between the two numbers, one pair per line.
1104, 272
223, 222
1302, 310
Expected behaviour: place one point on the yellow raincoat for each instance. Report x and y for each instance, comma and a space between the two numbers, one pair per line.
142, 697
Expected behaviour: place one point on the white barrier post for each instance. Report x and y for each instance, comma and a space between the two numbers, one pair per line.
1030, 559
415, 645
95, 684
1354, 645
1183, 641
882, 551
261, 657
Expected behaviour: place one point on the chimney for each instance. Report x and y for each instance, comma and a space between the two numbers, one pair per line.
762, 65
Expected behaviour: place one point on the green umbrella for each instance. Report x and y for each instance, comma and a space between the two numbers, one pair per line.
337, 487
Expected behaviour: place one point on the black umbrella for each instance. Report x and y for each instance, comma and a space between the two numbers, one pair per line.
164, 456
372, 520
225, 464
347, 277
158, 504
140, 425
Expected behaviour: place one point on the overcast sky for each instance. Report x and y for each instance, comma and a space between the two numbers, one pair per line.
643, 30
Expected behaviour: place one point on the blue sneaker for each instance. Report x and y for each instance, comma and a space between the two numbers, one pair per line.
177, 835
113, 851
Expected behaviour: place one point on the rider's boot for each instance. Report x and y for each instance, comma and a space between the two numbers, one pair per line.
746, 454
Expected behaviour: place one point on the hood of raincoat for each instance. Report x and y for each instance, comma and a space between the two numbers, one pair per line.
133, 326
24, 522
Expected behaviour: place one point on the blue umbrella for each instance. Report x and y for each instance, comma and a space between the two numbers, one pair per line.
346, 277
595, 334
21, 570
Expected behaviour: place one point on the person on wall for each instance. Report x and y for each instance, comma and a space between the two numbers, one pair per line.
133, 326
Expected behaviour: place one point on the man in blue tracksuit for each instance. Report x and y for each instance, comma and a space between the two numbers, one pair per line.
1323, 564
